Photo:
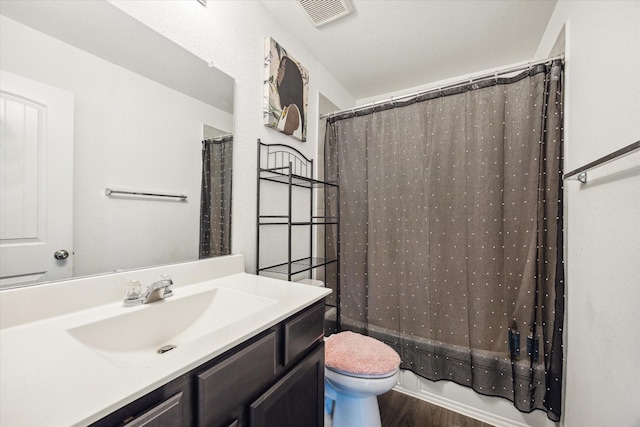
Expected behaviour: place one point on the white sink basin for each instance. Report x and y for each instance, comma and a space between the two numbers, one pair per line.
136, 335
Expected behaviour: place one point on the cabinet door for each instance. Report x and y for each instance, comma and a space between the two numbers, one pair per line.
167, 413
229, 385
297, 399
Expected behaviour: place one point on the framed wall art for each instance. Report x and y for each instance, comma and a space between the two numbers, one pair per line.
286, 87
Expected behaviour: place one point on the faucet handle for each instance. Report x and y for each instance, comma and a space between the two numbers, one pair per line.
168, 292
133, 293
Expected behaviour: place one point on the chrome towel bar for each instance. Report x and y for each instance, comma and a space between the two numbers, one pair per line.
582, 171
111, 192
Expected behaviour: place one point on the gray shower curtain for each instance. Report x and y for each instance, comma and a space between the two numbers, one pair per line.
215, 199
451, 233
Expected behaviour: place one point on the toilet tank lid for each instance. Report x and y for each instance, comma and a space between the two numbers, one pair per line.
358, 354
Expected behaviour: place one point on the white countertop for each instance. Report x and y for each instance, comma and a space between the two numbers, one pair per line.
48, 378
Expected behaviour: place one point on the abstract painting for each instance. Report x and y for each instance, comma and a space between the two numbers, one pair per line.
286, 85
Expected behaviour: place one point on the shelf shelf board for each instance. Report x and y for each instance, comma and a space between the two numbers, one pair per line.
297, 180
298, 266
293, 223
315, 223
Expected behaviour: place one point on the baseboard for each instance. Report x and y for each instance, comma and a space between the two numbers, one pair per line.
468, 411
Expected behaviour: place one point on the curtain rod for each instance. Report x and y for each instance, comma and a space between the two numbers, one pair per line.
219, 138
471, 79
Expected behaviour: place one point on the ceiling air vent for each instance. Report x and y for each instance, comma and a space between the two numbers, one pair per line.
322, 12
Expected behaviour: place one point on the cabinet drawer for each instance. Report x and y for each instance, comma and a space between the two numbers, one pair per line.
168, 405
167, 413
302, 330
225, 387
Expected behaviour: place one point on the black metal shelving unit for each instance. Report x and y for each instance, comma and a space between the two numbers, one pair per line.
282, 164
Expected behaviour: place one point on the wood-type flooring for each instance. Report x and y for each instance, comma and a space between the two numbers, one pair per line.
400, 410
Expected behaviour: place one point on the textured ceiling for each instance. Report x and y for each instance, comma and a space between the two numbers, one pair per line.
390, 45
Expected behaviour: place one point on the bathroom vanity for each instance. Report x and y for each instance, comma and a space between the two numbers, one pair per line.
276, 378
243, 350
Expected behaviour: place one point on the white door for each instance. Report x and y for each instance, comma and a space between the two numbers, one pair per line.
36, 182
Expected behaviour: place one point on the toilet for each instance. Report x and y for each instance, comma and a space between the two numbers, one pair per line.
357, 369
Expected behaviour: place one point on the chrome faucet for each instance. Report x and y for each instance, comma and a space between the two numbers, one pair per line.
160, 289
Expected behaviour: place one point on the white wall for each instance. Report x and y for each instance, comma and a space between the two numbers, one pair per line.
230, 35
602, 104
130, 133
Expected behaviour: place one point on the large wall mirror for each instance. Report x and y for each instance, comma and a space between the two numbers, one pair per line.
100, 102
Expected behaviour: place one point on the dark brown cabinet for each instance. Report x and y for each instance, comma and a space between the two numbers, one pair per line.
302, 331
169, 405
297, 399
227, 386
273, 379
167, 413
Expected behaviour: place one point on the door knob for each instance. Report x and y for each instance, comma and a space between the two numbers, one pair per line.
61, 254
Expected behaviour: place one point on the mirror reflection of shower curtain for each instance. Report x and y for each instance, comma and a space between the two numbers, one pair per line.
451, 233
215, 201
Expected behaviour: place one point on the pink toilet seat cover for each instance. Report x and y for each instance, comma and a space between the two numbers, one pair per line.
358, 354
